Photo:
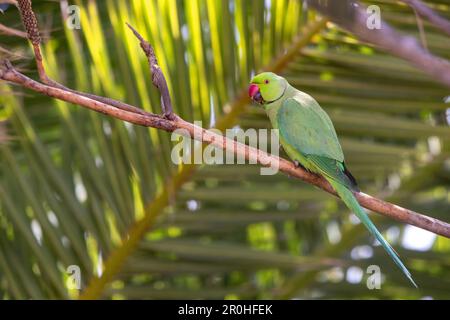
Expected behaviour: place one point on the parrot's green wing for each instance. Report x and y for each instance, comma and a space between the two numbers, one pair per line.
308, 130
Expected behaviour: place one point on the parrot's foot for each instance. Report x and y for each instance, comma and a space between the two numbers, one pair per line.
169, 116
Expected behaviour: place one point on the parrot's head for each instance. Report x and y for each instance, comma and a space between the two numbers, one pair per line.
267, 87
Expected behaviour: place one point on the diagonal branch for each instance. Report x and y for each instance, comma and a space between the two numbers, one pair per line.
354, 17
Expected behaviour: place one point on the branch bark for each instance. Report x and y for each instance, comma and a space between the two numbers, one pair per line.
171, 122
8, 73
158, 78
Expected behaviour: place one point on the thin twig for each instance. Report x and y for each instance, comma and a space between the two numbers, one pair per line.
31, 26
8, 73
158, 78
12, 32
170, 122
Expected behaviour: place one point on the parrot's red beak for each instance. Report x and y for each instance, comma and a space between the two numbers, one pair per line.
255, 94
252, 90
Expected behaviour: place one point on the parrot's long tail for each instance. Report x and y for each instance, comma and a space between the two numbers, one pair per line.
351, 202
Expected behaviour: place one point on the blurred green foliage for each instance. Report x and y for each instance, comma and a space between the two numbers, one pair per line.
73, 182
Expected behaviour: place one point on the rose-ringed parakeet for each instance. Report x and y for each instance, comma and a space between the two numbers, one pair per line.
309, 138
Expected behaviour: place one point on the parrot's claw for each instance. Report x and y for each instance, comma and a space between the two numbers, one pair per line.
299, 165
169, 116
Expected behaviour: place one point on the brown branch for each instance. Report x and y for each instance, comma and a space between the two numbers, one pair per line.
158, 78
354, 19
8, 73
170, 122
429, 14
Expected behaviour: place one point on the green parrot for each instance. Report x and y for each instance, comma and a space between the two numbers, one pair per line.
309, 138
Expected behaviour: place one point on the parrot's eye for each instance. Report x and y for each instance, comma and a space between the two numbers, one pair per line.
266, 81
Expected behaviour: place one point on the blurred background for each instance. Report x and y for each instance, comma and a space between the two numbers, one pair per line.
74, 182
